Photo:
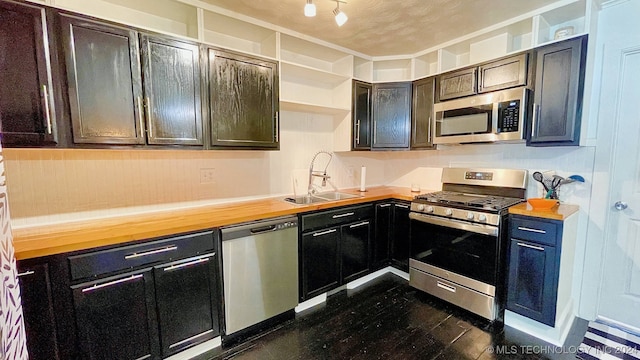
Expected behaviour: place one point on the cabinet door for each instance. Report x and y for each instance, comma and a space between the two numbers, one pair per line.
457, 84
381, 236
361, 113
172, 91
187, 306
400, 243
557, 104
391, 116
243, 101
422, 114
37, 309
503, 74
533, 281
27, 116
354, 250
320, 266
105, 90
115, 318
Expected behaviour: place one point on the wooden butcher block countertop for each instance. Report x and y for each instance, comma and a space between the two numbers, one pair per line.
60, 238
558, 212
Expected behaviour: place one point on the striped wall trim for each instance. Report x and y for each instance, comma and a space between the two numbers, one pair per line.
608, 343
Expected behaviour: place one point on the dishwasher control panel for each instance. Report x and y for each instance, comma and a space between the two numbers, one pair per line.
287, 224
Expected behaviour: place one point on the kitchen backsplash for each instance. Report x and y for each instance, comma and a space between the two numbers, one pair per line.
57, 185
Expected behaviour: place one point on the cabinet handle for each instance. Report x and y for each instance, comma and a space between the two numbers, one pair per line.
277, 126
324, 232
375, 131
26, 273
358, 225
358, 132
531, 246
429, 131
342, 215
147, 115
531, 230
384, 205
140, 114
534, 121
446, 287
110, 283
151, 252
47, 110
194, 262
403, 206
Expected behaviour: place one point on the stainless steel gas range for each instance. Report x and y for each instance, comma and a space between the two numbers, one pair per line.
459, 237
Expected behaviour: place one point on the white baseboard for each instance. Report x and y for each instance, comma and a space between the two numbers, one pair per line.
351, 285
197, 350
554, 335
311, 303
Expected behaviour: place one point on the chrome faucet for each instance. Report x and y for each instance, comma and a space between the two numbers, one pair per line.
321, 174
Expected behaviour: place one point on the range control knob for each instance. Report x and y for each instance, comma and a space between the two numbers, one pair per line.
429, 209
448, 212
420, 207
470, 215
482, 217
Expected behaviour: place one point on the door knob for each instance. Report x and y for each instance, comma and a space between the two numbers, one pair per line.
620, 205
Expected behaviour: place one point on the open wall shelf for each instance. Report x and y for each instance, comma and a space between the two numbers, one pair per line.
238, 35
166, 16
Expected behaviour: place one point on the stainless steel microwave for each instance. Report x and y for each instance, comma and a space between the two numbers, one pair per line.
490, 117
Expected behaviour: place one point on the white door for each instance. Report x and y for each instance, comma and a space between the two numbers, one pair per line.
619, 299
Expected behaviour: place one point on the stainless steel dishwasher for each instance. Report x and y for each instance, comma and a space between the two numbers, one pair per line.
260, 271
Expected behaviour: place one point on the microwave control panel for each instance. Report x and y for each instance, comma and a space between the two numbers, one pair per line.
508, 116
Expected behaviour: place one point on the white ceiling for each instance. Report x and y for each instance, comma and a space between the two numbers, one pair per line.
385, 27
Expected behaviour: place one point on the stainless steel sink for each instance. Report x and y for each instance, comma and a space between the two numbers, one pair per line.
335, 195
305, 199
320, 197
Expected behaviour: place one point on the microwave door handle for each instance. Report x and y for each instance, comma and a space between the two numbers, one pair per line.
494, 117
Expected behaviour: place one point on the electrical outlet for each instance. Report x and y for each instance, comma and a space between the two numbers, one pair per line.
207, 176
351, 172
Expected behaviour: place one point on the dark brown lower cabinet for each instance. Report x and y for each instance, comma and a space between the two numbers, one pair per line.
116, 317
400, 243
320, 266
187, 309
37, 309
354, 250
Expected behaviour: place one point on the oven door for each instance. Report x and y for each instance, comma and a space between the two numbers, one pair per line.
463, 248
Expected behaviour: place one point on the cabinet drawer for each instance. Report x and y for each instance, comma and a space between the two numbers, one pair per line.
333, 217
127, 257
534, 230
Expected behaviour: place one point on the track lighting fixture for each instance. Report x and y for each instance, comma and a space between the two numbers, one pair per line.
341, 17
310, 9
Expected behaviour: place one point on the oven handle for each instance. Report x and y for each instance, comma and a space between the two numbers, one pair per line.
456, 224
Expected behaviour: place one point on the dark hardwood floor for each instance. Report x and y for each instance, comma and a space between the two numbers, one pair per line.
386, 319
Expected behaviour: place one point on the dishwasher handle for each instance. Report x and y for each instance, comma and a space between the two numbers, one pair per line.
256, 228
263, 229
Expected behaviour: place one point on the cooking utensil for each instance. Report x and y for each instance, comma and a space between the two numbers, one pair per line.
572, 178
537, 176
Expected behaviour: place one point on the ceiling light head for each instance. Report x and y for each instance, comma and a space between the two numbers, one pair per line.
310, 9
341, 17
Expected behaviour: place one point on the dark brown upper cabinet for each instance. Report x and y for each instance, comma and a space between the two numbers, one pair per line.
490, 76
127, 88
391, 115
502, 74
457, 84
362, 97
171, 85
105, 82
27, 111
559, 87
422, 114
242, 101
